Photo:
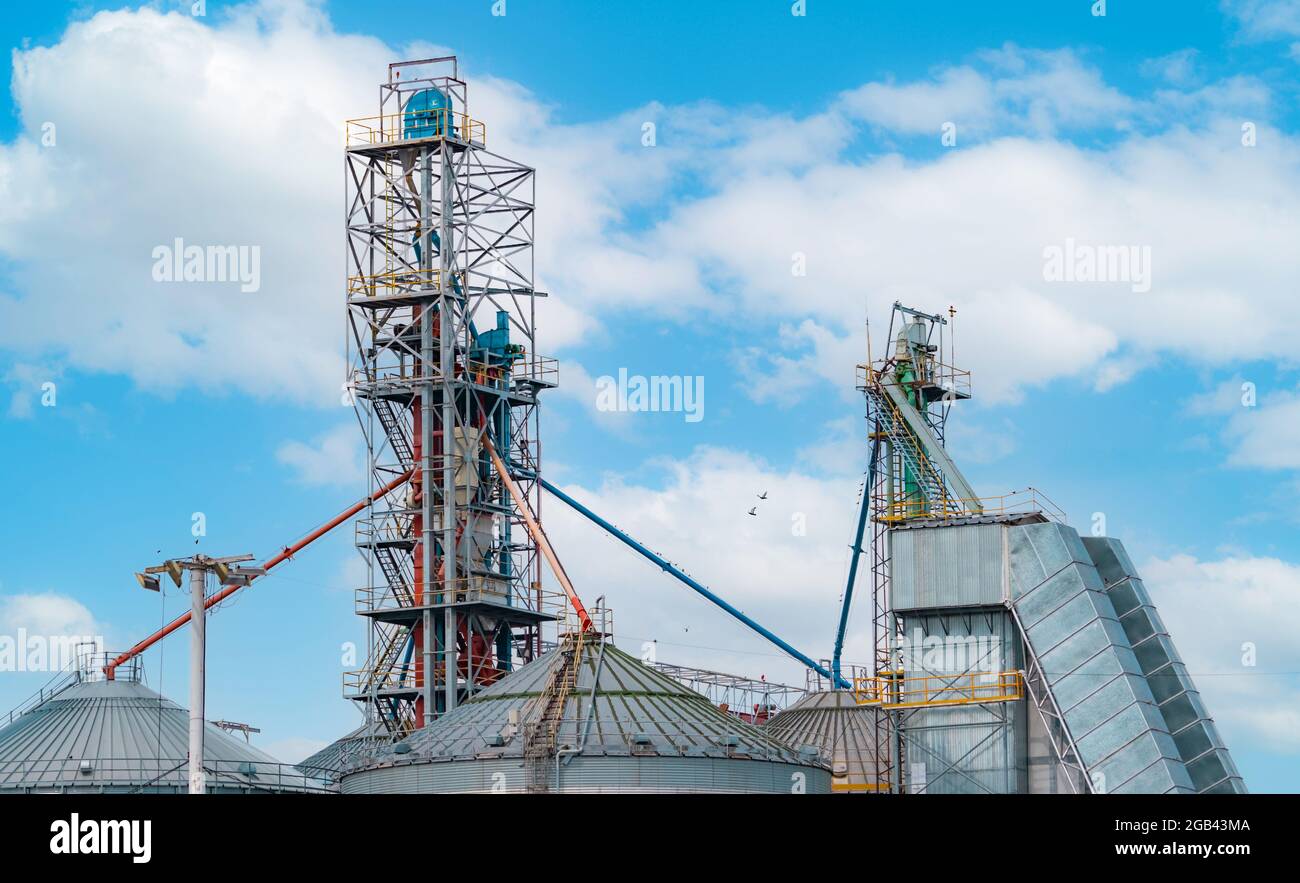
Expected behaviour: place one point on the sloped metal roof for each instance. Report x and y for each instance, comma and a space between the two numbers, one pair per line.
122, 736
334, 756
843, 732
638, 712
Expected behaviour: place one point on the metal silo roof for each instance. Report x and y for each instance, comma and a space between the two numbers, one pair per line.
331, 759
843, 732
101, 735
638, 712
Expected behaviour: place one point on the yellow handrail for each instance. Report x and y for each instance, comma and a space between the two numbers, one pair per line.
392, 127
891, 690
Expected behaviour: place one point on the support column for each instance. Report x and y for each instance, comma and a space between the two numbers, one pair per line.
198, 638
449, 655
426, 465
448, 327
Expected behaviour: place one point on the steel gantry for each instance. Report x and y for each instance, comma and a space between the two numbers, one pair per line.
444, 368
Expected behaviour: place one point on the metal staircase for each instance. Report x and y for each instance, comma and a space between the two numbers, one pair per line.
903, 441
540, 734
394, 429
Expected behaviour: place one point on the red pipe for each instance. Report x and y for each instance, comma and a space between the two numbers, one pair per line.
284, 555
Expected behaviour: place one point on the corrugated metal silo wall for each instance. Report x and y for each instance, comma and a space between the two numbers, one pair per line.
942, 567
634, 775
970, 749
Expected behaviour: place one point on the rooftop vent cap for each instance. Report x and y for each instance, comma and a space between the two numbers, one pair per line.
402, 748
87, 767
642, 739
496, 740
247, 768
730, 740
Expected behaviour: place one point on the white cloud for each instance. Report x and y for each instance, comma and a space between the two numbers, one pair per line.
1017, 90
334, 458
694, 514
1212, 609
46, 613
1263, 435
219, 135
1268, 435
959, 95
247, 114
26, 383
1266, 19
578, 386
1179, 68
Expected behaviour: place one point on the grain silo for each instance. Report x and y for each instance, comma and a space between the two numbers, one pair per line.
846, 735
588, 717
88, 734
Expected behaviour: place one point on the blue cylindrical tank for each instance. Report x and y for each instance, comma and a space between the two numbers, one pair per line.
428, 115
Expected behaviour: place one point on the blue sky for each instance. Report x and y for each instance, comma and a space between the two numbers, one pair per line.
776, 135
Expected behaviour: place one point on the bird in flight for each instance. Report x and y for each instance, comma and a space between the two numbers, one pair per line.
763, 495
753, 511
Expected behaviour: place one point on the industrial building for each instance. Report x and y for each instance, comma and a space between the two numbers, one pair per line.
1011, 654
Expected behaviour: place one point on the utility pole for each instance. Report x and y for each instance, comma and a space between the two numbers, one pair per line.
199, 566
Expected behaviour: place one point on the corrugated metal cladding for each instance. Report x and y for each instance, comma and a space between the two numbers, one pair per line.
595, 775
972, 749
115, 736
845, 734
1088, 660
957, 566
1199, 744
635, 721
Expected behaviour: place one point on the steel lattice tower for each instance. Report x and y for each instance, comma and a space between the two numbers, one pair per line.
443, 368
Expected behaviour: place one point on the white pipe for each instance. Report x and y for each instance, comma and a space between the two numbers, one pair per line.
198, 628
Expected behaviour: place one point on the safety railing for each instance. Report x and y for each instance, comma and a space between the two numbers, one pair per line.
394, 283
894, 690
380, 599
814, 682
401, 371
1029, 501
38, 774
569, 622
955, 382
386, 528
87, 664
542, 370
408, 677
438, 123
362, 681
